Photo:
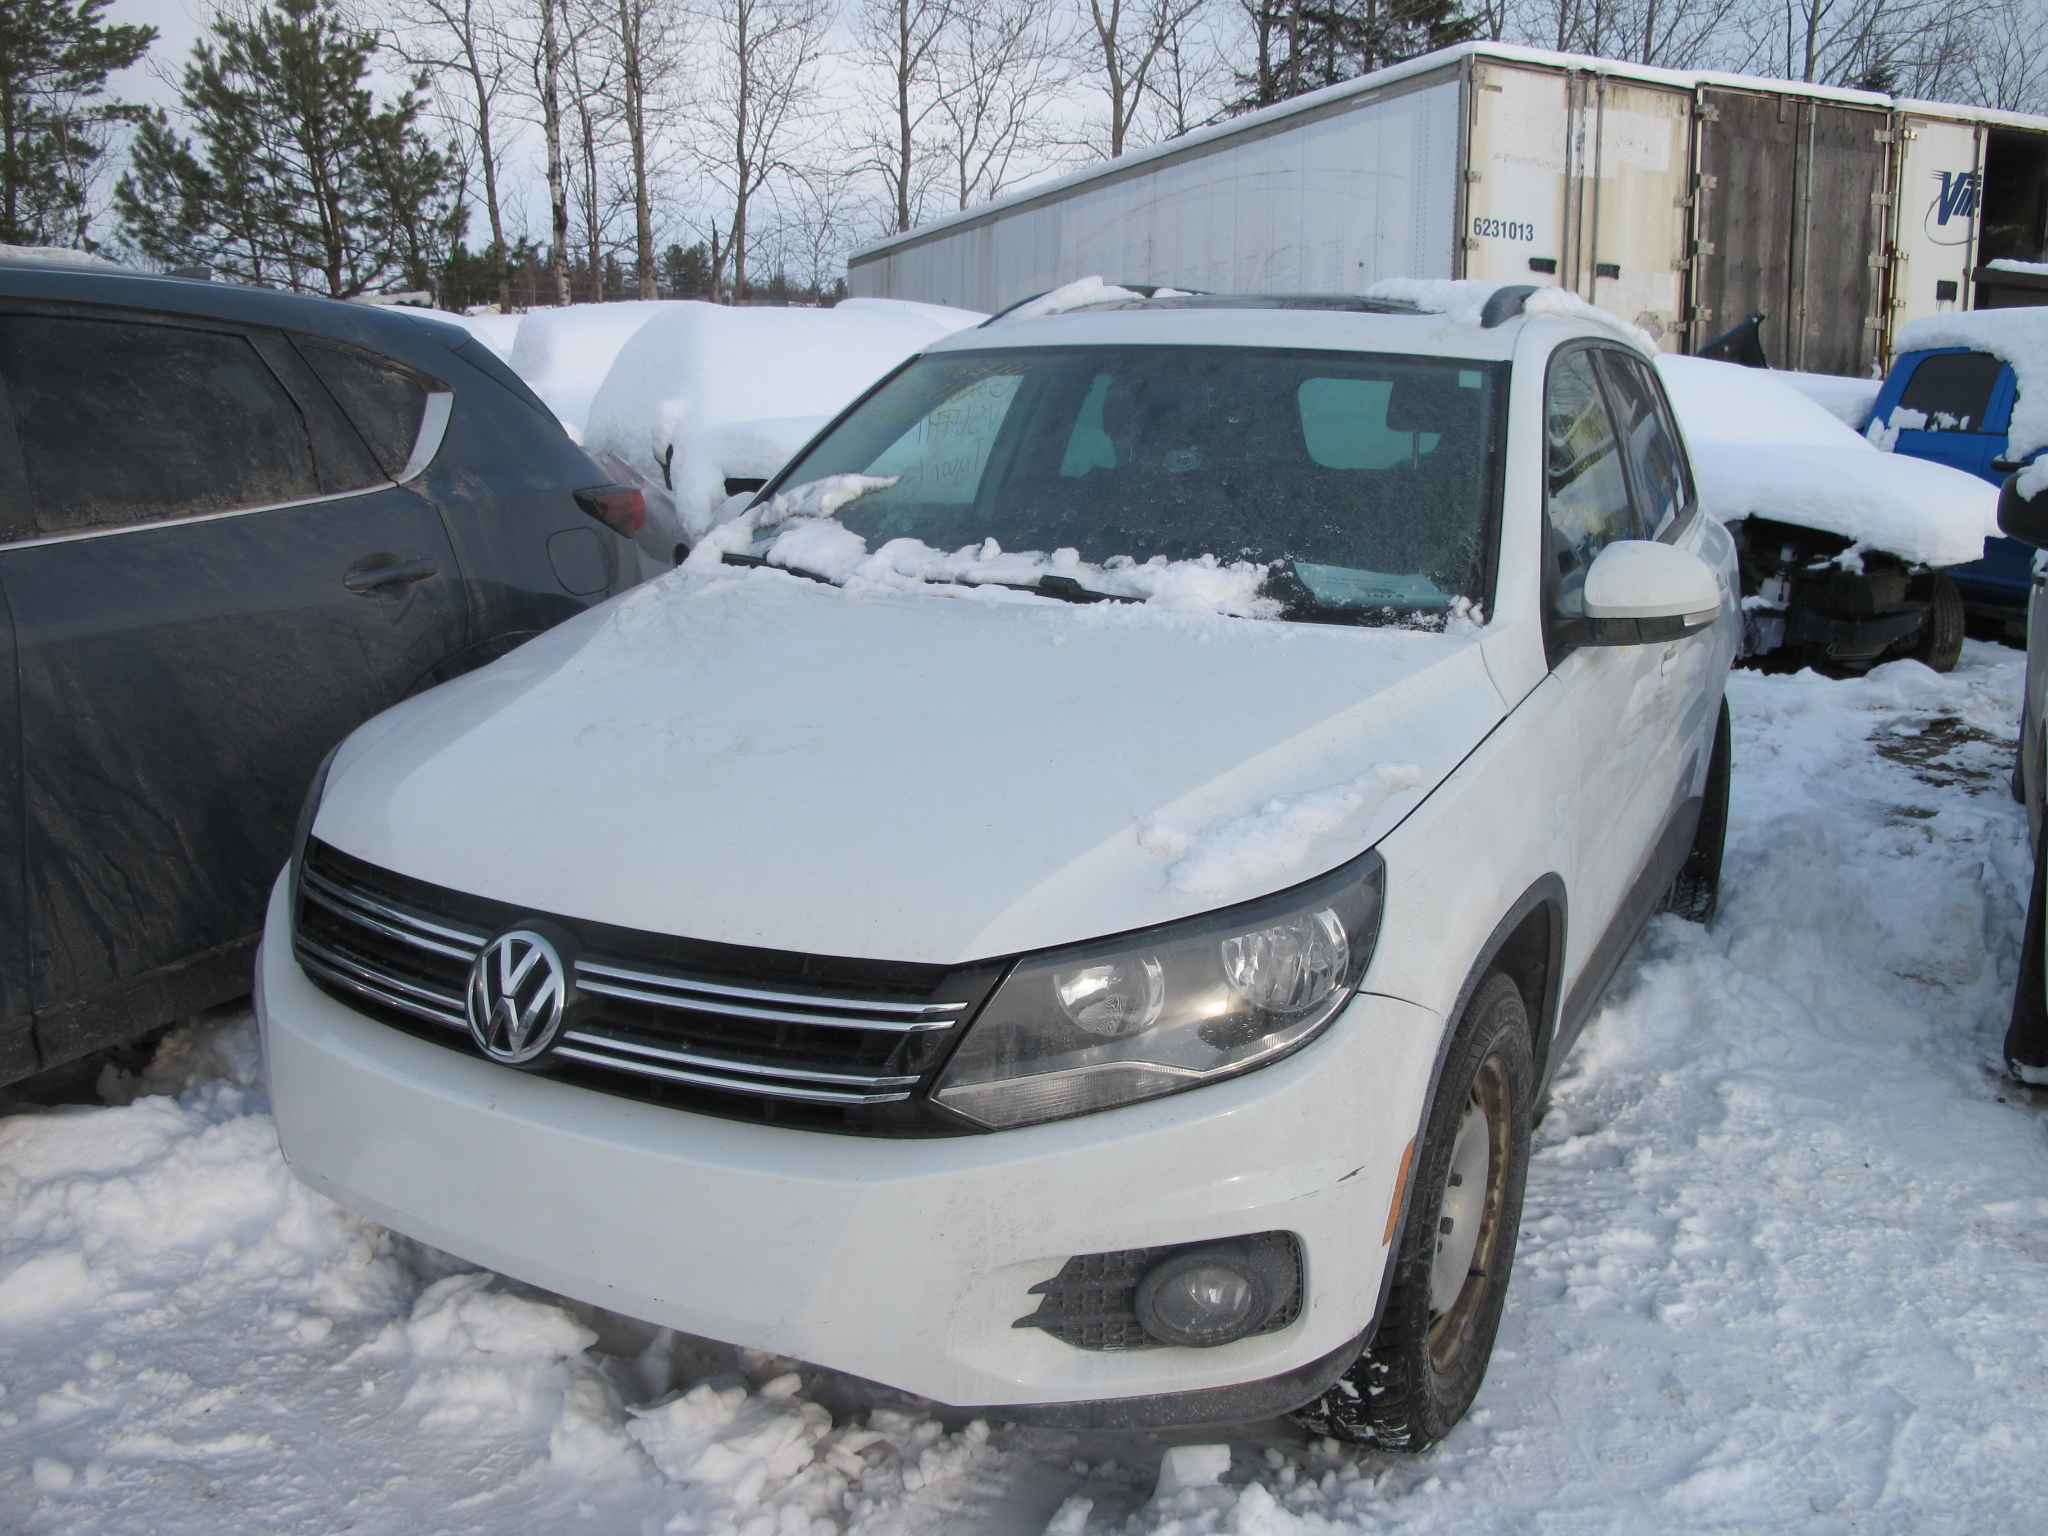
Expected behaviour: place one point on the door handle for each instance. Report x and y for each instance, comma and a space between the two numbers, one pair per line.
380, 574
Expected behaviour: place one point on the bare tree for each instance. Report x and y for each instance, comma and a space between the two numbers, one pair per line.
530, 35
459, 43
820, 207
649, 37
1004, 66
756, 99
1190, 79
900, 41
1129, 36
2007, 62
590, 70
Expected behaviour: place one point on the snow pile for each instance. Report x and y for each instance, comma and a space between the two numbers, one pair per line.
812, 543
1849, 401
564, 354
2014, 264
2015, 336
1257, 849
1462, 301
731, 393
1760, 448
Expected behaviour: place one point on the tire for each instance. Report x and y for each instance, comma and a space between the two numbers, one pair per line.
1941, 631
1696, 890
2026, 1038
1425, 1363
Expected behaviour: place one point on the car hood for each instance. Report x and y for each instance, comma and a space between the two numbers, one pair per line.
941, 775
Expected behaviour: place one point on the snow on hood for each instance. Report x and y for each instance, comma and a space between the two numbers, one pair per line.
2015, 336
1763, 449
941, 775
717, 392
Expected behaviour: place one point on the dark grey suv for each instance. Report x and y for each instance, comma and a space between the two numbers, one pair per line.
233, 525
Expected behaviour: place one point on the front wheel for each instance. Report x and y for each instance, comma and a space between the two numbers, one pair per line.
1941, 631
1696, 889
1423, 1368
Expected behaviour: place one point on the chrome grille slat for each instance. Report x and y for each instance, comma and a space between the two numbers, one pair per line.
351, 907
765, 1015
609, 1042
945, 1012
730, 1085
401, 945
380, 995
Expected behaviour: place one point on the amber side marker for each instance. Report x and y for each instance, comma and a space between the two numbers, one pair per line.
1400, 1189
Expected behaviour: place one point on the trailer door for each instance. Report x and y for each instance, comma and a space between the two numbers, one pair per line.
1789, 224
1936, 212
1520, 169
1634, 180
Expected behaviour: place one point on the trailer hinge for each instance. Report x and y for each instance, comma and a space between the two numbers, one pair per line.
1695, 316
1881, 199
1471, 176
1471, 242
1710, 114
1879, 261
1886, 136
1873, 323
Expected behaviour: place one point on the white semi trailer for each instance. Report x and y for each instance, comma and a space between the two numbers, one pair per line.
1682, 201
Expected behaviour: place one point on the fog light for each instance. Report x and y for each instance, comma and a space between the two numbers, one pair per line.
1216, 1294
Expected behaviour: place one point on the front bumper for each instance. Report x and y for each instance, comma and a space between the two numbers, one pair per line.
902, 1261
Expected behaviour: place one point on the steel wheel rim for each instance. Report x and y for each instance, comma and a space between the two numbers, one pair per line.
1471, 1202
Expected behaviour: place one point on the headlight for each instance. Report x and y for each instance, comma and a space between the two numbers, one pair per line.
1167, 1008
304, 830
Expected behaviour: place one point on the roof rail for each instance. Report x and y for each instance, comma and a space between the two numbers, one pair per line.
1505, 304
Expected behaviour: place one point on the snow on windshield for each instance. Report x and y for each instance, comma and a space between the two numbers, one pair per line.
1763, 449
811, 542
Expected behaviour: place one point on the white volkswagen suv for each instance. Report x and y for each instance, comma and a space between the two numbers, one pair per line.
1068, 902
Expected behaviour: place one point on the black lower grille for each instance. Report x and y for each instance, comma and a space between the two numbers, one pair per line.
1092, 1303
805, 1040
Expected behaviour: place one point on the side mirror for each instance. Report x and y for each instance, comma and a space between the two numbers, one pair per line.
1638, 591
2023, 517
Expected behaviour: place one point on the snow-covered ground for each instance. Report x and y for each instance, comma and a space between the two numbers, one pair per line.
1783, 1268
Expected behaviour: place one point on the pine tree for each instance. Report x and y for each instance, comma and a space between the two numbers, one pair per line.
296, 178
55, 123
1304, 45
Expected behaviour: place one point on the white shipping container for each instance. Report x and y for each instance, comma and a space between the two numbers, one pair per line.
1683, 202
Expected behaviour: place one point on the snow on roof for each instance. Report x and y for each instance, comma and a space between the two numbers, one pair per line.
1761, 448
1463, 301
1848, 400
2017, 336
57, 256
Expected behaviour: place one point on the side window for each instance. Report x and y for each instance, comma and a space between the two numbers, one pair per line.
1586, 502
1652, 447
940, 460
1952, 390
124, 422
386, 402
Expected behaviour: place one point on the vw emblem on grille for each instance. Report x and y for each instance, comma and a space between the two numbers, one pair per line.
518, 991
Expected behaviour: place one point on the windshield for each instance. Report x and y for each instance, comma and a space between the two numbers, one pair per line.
1362, 487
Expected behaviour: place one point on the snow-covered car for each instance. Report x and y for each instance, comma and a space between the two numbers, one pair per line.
1069, 903
1843, 548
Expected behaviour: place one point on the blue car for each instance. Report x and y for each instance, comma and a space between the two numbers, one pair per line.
1963, 400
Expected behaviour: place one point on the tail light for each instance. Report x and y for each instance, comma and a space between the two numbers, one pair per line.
621, 508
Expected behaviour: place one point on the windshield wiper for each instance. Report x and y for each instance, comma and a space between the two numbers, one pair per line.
761, 562
1065, 588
